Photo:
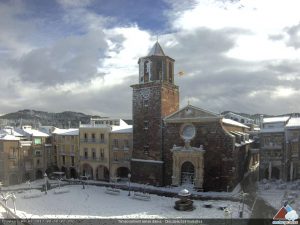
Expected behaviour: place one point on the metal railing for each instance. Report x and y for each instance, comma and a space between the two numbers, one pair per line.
92, 141
95, 159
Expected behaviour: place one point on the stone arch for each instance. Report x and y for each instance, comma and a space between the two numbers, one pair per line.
13, 179
73, 173
122, 172
266, 173
187, 173
87, 170
275, 173
102, 173
39, 174
147, 71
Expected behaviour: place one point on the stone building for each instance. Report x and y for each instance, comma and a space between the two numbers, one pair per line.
67, 146
189, 146
120, 145
16, 160
40, 149
154, 97
10, 171
94, 150
205, 150
272, 148
292, 135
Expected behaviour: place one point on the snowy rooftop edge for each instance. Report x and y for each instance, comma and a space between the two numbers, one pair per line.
293, 122
146, 160
235, 123
276, 119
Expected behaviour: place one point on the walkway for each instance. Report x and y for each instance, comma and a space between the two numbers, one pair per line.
262, 213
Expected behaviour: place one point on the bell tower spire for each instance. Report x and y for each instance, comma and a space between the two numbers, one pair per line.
156, 66
154, 97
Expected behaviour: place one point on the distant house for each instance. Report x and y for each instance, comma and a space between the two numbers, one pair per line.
273, 160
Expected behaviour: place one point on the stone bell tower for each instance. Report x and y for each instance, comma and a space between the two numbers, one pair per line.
154, 97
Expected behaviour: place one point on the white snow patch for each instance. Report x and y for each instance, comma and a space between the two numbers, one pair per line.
92, 202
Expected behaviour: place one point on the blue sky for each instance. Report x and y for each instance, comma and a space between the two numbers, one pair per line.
82, 55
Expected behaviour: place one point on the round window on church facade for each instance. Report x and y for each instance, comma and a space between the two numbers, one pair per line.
187, 131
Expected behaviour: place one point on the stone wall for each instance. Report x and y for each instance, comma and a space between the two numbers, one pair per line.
151, 102
219, 158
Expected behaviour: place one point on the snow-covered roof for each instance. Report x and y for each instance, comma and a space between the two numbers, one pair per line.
33, 132
147, 161
12, 131
71, 131
293, 122
8, 137
47, 129
276, 119
122, 129
234, 123
156, 50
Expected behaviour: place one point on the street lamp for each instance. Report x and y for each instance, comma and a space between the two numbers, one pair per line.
243, 194
45, 178
82, 181
129, 176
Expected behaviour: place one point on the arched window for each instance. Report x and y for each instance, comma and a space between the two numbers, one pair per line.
147, 70
170, 73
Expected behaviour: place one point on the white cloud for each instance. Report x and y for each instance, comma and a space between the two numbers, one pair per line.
284, 92
236, 55
261, 18
126, 45
74, 3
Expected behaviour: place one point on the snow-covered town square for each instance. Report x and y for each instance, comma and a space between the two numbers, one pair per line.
98, 202
153, 111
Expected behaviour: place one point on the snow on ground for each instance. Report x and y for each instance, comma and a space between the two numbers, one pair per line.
93, 202
275, 193
33, 184
2, 212
41, 182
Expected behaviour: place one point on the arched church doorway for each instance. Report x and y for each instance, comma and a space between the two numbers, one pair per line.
87, 171
275, 173
187, 173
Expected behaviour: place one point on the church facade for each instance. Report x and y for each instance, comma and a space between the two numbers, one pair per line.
189, 146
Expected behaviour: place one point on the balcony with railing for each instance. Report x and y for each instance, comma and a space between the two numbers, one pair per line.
92, 141
116, 148
94, 159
